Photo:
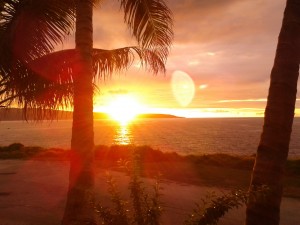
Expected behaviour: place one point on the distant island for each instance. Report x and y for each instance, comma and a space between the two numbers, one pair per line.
156, 116
12, 114
98, 115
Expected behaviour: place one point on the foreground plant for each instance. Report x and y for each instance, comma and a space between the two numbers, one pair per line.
143, 207
213, 207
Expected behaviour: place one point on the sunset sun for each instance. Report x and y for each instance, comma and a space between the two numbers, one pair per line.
124, 108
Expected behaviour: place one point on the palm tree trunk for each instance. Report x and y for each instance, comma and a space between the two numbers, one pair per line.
80, 200
279, 114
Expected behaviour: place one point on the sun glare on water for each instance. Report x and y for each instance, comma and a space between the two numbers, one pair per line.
124, 108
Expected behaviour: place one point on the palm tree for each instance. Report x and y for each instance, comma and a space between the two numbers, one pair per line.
79, 207
274, 143
150, 22
30, 29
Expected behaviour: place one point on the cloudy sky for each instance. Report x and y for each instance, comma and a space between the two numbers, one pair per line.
222, 54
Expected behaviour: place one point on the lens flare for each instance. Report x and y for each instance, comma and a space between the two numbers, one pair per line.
183, 88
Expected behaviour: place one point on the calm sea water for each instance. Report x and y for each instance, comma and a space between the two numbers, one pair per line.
185, 136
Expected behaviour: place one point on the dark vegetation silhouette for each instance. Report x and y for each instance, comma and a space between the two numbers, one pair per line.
143, 208
35, 78
209, 169
208, 210
146, 208
273, 148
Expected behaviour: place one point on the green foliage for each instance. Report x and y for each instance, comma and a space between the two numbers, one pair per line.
143, 208
214, 207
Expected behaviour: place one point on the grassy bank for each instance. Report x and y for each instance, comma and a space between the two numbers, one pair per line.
221, 170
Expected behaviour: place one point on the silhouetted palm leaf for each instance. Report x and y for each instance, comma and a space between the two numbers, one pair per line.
108, 61
151, 23
47, 82
33, 77
30, 90
31, 28
60, 66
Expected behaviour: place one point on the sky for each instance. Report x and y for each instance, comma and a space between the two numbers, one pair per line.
219, 64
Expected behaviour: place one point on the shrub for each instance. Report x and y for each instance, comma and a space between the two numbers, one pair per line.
144, 208
214, 207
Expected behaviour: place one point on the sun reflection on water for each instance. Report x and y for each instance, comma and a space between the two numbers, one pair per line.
123, 135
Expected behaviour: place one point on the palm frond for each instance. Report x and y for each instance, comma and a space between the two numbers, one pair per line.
57, 67
32, 28
105, 62
38, 94
151, 59
108, 61
41, 93
62, 65
47, 82
151, 23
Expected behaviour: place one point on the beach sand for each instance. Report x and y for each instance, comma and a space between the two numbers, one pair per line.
33, 192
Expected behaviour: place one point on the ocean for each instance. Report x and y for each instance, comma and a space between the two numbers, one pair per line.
185, 136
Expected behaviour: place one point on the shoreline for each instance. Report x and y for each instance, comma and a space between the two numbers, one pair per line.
184, 136
215, 170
